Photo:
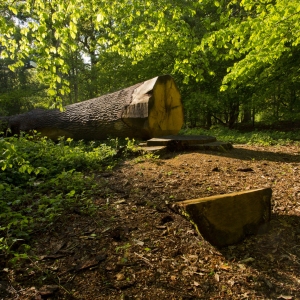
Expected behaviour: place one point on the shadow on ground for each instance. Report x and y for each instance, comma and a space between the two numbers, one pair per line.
275, 254
249, 154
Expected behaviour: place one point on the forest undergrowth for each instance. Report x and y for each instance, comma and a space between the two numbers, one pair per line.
44, 184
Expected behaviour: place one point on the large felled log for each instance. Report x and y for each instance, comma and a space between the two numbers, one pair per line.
149, 109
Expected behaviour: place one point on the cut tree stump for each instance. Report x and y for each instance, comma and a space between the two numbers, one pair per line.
187, 142
182, 140
226, 219
149, 109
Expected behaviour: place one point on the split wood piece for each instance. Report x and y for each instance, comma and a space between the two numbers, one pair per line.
149, 109
226, 219
180, 142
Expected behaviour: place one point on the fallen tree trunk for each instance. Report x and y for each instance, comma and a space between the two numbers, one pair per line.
149, 109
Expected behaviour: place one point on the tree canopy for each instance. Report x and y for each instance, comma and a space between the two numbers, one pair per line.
225, 55
257, 35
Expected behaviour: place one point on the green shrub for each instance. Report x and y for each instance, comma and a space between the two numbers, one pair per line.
40, 180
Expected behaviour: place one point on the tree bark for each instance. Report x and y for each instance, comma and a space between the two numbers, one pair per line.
149, 109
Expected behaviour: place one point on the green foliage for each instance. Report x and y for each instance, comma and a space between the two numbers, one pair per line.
56, 35
19, 90
256, 34
263, 138
41, 181
230, 59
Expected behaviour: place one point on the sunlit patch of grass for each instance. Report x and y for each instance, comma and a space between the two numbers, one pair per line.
263, 138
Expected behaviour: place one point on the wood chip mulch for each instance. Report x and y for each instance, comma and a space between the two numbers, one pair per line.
135, 247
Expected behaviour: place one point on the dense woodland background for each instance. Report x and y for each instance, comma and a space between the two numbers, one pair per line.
103, 204
235, 62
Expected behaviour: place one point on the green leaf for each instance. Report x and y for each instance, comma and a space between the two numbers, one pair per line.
223, 88
71, 193
13, 10
51, 92
99, 17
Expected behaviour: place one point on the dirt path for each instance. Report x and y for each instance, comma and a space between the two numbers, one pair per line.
135, 247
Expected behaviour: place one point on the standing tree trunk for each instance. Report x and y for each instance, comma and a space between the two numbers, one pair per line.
149, 109
246, 119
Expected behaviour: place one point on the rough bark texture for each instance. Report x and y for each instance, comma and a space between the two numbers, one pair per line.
149, 109
226, 219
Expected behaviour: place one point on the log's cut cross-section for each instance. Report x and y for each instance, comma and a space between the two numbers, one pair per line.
149, 109
156, 108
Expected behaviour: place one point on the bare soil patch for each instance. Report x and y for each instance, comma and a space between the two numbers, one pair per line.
135, 247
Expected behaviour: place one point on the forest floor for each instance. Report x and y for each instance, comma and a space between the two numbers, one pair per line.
135, 247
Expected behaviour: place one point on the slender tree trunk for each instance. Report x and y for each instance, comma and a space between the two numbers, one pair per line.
246, 115
233, 114
208, 116
253, 117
